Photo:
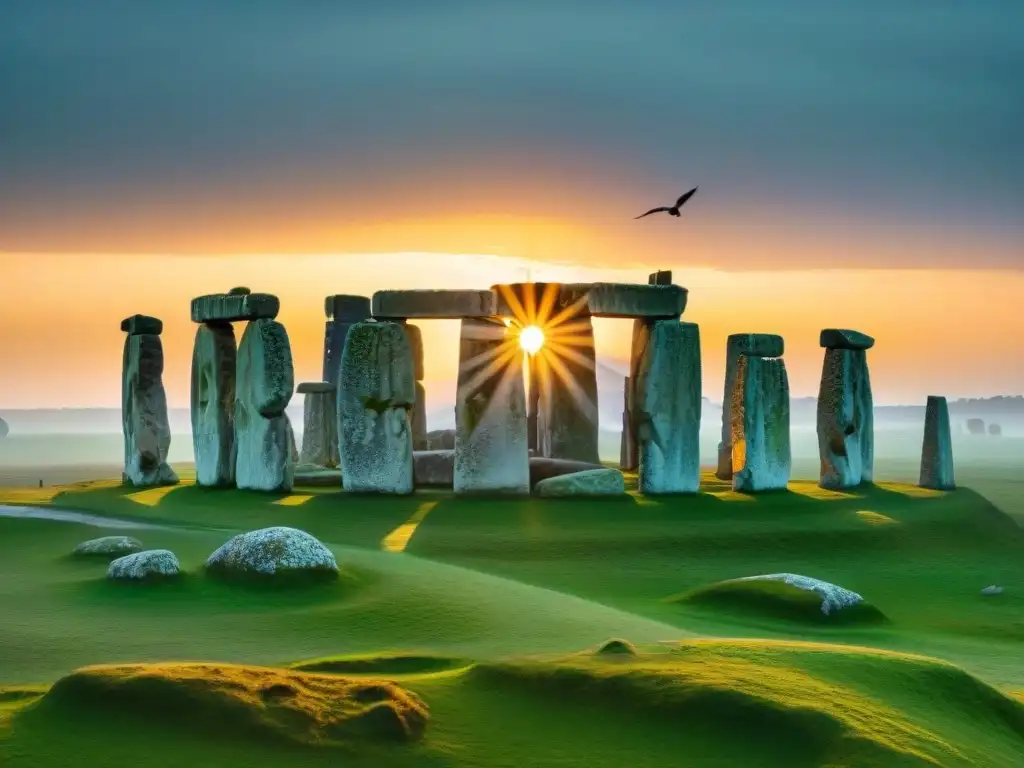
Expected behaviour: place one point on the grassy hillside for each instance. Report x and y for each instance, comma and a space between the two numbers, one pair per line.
481, 609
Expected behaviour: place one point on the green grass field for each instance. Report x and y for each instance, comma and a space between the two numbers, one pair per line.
488, 614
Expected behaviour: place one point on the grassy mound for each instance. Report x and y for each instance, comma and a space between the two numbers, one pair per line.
381, 664
778, 600
813, 704
248, 702
616, 648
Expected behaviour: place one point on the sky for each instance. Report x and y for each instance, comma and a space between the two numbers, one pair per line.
860, 165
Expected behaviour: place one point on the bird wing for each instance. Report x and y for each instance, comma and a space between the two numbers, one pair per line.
653, 210
685, 197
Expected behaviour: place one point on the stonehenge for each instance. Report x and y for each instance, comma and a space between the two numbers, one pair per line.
241, 435
365, 423
147, 433
845, 417
740, 344
937, 447
759, 414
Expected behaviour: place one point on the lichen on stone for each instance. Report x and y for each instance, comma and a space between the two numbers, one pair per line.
150, 564
108, 546
276, 551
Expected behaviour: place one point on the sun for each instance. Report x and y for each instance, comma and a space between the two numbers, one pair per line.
531, 339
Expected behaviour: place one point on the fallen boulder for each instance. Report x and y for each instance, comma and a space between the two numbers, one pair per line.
151, 564
590, 482
277, 553
108, 546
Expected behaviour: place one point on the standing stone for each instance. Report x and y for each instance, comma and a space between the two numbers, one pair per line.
756, 345
319, 425
418, 421
567, 406
627, 443
147, 434
376, 394
668, 407
937, 450
264, 440
342, 312
845, 420
491, 454
661, 277
638, 345
213, 405
760, 442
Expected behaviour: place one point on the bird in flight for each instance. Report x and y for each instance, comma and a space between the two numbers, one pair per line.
670, 210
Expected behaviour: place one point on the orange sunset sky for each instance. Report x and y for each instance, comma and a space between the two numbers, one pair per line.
860, 165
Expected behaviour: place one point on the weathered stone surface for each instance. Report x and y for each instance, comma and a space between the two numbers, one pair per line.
567, 424
315, 388
309, 475
416, 346
147, 434
419, 419
151, 564
264, 441
661, 277
490, 412
346, 307
441, 439
591, 482
833, 597
277, 551
761, 455
232, 307
542, 468
738, 344
842, 338
434, 469
992, 590
636, 300
845, 420
320, 429
937, 449
375, 400
638, 343
213, 405
108, 546
439, 304
668, 408
138, 325
627, 442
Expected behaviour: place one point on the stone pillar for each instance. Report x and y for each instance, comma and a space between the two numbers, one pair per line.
419, 410
937, 449
627, 443
376, 393
319, 424
638, 343
760, 440
755, 345
213, 404
264, 441
661, 277
668, 407
491, 454
147, 433
342, 312
845, 410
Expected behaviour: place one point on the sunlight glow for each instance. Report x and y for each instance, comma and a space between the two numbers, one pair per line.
531, 339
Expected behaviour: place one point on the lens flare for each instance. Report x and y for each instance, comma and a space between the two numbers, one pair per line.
531, 339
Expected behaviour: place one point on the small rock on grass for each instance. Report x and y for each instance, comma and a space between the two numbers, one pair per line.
992, 590
109, 546
150, 564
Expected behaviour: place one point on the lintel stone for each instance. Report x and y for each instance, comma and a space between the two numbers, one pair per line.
842, 338
140, 325
225, 307
636, 300
315, 388
757, 344
445, 304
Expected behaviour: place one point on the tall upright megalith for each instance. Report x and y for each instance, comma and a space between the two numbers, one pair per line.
264, 441
937, 449
491, 445
147, 434
759, 412
419, 409
213, 404
668, 407
376, 392
738, 344
342, 311
845, 410
319, 424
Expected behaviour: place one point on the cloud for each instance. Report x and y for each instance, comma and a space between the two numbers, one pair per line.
131, 121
